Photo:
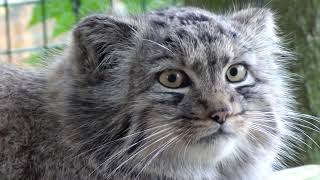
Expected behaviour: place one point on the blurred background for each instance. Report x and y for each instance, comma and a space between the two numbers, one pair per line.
32, 31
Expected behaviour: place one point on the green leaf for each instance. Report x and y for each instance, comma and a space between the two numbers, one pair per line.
64, 23
94, 6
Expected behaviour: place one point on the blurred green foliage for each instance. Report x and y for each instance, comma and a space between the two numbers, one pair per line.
64, 15
140, 6
33, 60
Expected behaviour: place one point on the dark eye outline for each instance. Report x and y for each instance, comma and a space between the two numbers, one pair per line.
185, 79
244, 77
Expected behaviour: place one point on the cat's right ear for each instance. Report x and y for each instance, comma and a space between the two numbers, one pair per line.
97, 43
257, 21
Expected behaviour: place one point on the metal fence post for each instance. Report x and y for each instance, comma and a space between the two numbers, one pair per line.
44, 24
8, 36
76, 7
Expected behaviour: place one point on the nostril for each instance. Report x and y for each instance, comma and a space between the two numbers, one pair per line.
216, 118
220, 117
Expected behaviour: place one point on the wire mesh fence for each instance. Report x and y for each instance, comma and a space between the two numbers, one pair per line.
10, 51
12, 46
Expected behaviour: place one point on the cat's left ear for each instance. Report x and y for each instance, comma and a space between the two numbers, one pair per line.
256, 20
98, 43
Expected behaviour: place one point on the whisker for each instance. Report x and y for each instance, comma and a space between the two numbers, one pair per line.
301, 125
185, 149
159, 151
300, 130
127, 148
102, 146
317, 119
134, 155
160, 45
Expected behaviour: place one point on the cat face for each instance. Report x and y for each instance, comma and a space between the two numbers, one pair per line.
209, 81
179, 83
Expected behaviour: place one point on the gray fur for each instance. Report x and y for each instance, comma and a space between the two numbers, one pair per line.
100, 113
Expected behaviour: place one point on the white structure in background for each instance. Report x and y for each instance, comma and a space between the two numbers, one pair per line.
119, 8
16, 1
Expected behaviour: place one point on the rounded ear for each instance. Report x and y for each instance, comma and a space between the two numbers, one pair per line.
258, 20
97, 41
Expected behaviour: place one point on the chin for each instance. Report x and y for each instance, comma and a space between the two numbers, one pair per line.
212, 148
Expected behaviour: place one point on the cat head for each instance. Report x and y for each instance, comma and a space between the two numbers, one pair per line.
176, 87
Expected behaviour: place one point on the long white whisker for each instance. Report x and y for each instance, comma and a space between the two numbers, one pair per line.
134, 155
158, 45
127, 148
300, 130
159, 151
100, 147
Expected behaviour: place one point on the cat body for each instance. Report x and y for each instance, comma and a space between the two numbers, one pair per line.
179, 93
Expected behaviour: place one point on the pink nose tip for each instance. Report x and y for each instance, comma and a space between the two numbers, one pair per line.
220, 116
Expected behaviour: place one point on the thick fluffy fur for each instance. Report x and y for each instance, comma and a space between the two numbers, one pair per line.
100, 112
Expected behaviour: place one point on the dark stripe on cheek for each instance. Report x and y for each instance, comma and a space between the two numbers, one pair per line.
172, 99
224, 60
124, 129
196, 67
246, 91
116, 143
138, 139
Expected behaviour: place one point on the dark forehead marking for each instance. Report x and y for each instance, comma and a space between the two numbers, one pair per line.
205, 36
214, 59
233, 34
197, 66
209, 34
159, 23
173, 44
194, 17
169, 42
184, 34
220, 29
212, 62
159, 13
207, 29
224, 60
181, 16
211, 57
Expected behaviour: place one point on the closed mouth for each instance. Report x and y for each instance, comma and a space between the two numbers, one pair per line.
211, 137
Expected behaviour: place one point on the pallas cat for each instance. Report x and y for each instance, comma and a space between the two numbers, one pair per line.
175, 94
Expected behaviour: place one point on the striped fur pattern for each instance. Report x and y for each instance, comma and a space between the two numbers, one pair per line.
107, 116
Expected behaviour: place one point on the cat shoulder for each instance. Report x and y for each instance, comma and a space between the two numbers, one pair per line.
20, 101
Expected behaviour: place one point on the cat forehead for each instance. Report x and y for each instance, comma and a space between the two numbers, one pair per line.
182, 16
195, 34
199, 22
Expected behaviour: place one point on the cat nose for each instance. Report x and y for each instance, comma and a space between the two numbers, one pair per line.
220, 116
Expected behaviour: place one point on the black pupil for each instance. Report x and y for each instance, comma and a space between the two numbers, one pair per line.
233, 71
172, 78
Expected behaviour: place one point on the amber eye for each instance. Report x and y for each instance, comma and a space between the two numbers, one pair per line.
174, 79
236, 73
